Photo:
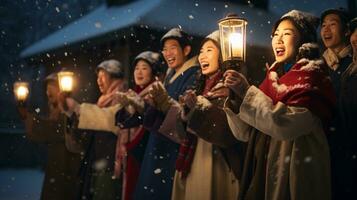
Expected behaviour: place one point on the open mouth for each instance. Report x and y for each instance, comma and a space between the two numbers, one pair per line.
280, 51
327, 37
204, 65
170, 61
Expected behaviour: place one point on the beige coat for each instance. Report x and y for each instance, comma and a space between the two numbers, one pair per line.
210, 176
298, 162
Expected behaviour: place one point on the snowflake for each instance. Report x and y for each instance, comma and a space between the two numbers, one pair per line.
287, 159
308, 159
157, 171
98, 25
191, 17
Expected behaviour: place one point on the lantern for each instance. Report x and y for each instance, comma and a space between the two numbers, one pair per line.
232, 32
65, 82
21, 91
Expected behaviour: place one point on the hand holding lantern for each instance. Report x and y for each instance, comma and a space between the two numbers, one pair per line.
232, 32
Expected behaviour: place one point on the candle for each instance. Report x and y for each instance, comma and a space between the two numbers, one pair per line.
236, 44
21, 91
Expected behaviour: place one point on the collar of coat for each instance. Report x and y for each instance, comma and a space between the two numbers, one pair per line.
188, 64
332, 59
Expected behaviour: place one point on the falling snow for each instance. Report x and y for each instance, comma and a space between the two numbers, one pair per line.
157, 171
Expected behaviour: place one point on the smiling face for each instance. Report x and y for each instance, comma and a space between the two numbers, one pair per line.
208, 58
142, 73
104, 80
332, 33
173, 53
285, 42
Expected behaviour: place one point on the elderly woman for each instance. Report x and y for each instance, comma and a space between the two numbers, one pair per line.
283, 120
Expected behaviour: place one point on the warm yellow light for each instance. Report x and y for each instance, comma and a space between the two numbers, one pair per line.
232, 32
21, 91
65, 79
236, 44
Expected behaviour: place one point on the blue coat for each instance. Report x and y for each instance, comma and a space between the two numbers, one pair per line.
158, 167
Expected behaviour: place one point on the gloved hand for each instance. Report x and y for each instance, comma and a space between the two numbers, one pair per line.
68, 106
236, 82
131, 98
189, 99
162, 100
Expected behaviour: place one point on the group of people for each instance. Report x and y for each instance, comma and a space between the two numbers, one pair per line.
198, 131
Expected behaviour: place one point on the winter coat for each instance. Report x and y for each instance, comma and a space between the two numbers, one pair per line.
287, 155
158, 167
341, 135
217, 150
344, 162
97, 168
61, 173
132, 138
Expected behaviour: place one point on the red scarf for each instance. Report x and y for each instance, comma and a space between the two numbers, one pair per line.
306, 84
132, 165
188, 145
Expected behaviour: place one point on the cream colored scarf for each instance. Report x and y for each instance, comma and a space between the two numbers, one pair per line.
333, 60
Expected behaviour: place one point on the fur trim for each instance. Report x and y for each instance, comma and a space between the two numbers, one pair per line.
188, 64
311, 65
203, 103
309, 50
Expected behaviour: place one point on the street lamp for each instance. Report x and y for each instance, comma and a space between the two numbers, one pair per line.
21, 91
232, 32
65, 82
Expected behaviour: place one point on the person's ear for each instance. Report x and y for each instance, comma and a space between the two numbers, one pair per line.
187, 50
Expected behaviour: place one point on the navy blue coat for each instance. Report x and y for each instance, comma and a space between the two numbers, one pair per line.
158, 167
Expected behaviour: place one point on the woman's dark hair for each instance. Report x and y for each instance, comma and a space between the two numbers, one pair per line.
201, 78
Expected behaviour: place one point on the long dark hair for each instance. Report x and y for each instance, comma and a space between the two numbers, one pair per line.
201, 78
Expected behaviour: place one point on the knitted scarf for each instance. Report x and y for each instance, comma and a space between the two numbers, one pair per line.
188, 145
333, 60
106, 99
124, 147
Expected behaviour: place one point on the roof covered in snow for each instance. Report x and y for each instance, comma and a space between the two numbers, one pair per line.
195, 18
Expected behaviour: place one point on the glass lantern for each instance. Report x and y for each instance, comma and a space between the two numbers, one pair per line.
65, 81
232, 31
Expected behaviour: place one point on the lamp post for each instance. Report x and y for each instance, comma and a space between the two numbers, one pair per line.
232, 32
21, 91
